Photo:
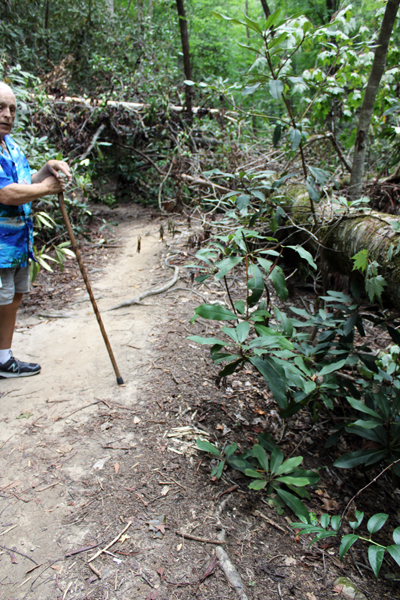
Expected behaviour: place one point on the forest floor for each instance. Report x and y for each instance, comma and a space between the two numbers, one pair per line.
83, 461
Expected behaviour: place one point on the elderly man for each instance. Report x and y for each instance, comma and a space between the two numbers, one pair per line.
17, 190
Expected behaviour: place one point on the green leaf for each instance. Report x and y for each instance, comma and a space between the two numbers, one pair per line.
374, 287
277, 134
240, 306
255, 284
206, 341
242, 201
346, 543
354, 459
242, 331
357, 523
296, 481
207, 447
358, 405
325, 520
295, 136
335, 522
376, 522
360, 260
220, 469
276, 460
394, 552
375, 557
227, 265
332, 367
274, 376
304, 254
214, 312
289, 465
394, 334
261, 456
253, 473
257, 485
229, 450
275, 88
278, 280
230, 368
293, 503
396, 535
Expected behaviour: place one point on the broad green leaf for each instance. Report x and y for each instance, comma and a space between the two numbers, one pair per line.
394, 552
332, 367
214, 312
275, 88
276, 460
274, 376
229, 450
357, 523
278, 280
354, 459
346, 543
293, 503
335, 522
207, 447
376, 522
277, 134
257, 485
374, 287
296, 481
261, 456
358, 405
220, 469
289, 465
304, 254
365, 424
242, 331
242, 201
295, 136
227, 265
375, 557
253, 473
255, 284
206, 341
360, 260
394, 334
230, 368
396, 535
325, 520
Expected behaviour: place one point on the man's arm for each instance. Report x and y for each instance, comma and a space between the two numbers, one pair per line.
52, 167
16, 194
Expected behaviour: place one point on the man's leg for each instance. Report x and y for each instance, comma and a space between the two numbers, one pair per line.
8, 316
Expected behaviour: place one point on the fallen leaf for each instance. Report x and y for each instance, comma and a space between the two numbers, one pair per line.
116, 468
161, 572
319, 492
290, 561
100, 463
329, 504
136, 420
65, 449
165, 490
179, 547
124, 537
56, 567
260, 411
345, 587
221, 427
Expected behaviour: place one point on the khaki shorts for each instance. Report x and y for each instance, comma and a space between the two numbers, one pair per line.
13, 281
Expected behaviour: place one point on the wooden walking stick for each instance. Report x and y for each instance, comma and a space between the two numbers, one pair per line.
75, 248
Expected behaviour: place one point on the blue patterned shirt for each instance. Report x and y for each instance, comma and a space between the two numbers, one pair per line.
16, 230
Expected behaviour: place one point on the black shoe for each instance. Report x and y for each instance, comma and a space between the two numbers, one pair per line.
16, 368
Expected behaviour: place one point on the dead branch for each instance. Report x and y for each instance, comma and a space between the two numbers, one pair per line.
202, 182
111, 543
196, 538
92, 143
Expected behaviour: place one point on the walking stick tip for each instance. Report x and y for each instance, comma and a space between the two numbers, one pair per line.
120, 381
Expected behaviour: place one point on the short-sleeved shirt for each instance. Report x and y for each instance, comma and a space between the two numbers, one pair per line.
16, 230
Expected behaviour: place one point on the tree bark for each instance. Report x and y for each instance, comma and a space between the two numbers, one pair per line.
266, 10
342, 234
186, 53
377, 70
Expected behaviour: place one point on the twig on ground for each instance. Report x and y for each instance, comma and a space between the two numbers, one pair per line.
111, 543
270, 521
196, 538
95, 571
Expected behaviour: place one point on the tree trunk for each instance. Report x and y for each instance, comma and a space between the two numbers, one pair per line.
377, 70
186, 53
266, 10
343, 234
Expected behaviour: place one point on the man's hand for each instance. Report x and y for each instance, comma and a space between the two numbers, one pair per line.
53, 185
56, 167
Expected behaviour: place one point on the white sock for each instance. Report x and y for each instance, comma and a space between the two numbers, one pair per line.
5, 355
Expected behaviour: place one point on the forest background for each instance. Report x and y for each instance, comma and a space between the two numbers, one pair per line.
257, 105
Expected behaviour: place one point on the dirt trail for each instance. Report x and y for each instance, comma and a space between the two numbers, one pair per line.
44, 452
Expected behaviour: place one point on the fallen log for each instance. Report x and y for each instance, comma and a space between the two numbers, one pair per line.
343, 232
